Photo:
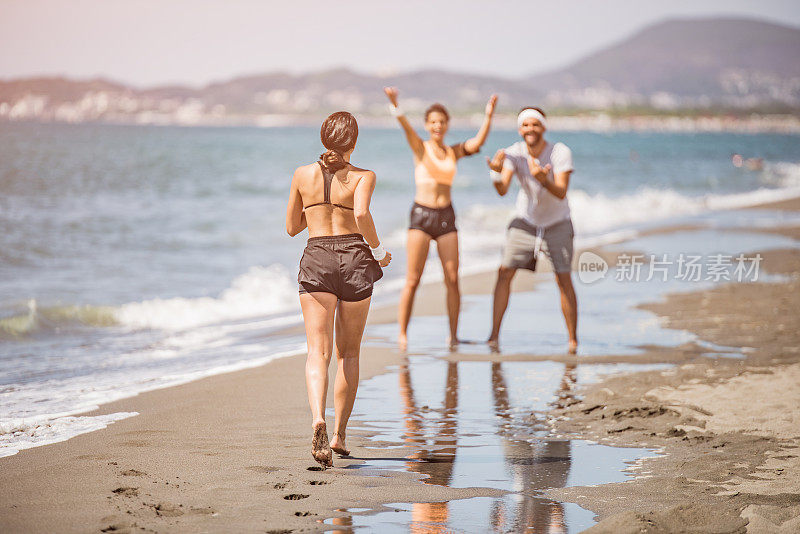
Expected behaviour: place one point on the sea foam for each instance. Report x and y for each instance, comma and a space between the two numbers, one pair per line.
18, 434
260, 291
600, 219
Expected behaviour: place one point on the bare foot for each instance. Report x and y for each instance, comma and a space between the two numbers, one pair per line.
452, 343
320, 448
573, 347
402, 342
338, 446
494, 344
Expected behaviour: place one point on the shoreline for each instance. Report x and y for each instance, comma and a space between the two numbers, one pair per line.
726, 464
598, 122
230, 449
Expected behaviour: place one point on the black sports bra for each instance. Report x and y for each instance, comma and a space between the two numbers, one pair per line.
326, 191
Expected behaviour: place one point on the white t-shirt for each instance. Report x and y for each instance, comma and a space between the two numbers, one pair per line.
535, 203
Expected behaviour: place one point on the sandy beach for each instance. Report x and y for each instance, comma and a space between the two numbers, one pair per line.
230, 453
160, 195
728, 430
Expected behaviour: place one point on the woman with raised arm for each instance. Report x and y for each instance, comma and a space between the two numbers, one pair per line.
338, 268
432, 215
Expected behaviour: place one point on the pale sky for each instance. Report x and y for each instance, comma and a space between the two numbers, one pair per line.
154, 42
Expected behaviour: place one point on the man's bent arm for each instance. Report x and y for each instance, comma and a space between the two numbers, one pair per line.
504, 182
558, 187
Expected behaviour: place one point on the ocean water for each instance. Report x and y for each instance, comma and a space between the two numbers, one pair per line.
137, 257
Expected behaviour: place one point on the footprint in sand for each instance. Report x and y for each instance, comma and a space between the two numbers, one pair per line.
126, 491
133, 473
119, 528
167, 509
280, 485
295, 496
117, 524
315, 468
318, 482
303, 514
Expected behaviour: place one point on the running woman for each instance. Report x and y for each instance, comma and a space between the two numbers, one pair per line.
432, 215
331, 198
542, 220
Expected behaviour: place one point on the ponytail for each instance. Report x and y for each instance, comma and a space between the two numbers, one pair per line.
338, 134
332, 161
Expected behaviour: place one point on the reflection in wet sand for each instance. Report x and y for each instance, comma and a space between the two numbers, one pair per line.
472, 424
532, 465
344, 521
545, 464
436, 461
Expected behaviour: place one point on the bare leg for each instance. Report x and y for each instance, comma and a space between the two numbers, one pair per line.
569, 306
502, 290
350, 321
447, 246
318, 312
417, 247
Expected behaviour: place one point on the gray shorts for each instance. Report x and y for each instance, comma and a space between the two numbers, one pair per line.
518, 252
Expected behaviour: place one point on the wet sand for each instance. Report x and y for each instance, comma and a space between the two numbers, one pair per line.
231, 452
226, 453
729, 429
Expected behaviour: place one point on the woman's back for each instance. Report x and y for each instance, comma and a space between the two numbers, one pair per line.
340, 264
329, 198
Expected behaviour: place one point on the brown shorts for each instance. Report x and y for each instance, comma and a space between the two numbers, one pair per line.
435, 222
339, 264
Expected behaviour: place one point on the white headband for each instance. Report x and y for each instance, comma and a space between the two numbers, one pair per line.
531, 114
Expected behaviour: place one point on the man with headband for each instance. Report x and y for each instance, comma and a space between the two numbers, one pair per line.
542, 220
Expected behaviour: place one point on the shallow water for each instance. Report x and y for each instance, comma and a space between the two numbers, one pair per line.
610, 322
482, 424
507, 514
136, 257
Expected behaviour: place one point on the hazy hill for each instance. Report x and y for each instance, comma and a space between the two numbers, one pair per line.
280, 91
57, 89
712, 58
734, 63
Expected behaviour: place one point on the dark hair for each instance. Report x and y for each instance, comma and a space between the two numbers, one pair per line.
338, 134
540, 110
437, 108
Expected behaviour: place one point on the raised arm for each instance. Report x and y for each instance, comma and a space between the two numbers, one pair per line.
501, 173
474, 144
366, 226
414, 140
295, 216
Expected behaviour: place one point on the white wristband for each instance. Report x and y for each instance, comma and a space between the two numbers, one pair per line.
396, 111
378, 252
496, 176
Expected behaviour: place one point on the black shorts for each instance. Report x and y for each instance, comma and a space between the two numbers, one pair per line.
435, 222
339, 264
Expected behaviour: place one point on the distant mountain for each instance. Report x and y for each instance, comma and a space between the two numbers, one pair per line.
336, 88
57, 89
714, 60
732, 63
